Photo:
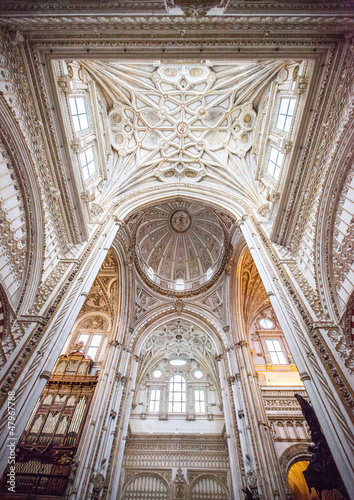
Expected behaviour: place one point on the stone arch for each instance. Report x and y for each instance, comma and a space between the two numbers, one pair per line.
293, 454
142, 485
338, 181
208, 487
349, 321
169, 313
251, 295
219, 200
31, 198
206, 360
4, 314
100, 311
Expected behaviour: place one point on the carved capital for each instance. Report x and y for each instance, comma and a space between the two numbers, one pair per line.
304, 376
46, 374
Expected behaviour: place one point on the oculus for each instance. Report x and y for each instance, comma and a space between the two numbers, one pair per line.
178, 362
266, 323
157, 373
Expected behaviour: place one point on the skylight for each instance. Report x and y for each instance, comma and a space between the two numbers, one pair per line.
285, 114
79, 113
88, 163
275, 163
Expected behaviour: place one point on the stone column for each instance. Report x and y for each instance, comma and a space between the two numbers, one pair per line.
93, 456
261, 464
52, 336
117, 452
231, 431
325, 386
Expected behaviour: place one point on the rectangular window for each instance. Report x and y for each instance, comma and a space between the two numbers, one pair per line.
84, 338
94, 345
88, 163
177, 394
91, 344
154, 400
276, 352
78, 113
179, 284
285, 114
274, 163
199, 401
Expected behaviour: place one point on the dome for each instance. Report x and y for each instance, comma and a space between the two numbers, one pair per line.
180, 246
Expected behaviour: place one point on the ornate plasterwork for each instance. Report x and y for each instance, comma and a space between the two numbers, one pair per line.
314, 333
16, 91
183, 122
311, 294
163, 253
300, 25
179, 339
196, 9
143, 301
140, 449
343, 233
102, 299
4, 314
13, 221
18, 330
328, 141
215, 302
253, 297
202, 457
46, 287
63, 7
180, 240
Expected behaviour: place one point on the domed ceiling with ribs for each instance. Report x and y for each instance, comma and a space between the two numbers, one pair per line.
180, 246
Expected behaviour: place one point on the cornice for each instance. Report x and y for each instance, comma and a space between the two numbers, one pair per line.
161, 7
337, 24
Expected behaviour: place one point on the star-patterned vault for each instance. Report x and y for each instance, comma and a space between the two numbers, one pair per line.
182, 122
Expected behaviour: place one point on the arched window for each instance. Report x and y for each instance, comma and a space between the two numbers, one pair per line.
91, 343
177, 394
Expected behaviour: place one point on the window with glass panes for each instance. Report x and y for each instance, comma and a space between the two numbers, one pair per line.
276, 352
91, 344
79, 113
177, 394
285, 114
199, 400
274, 163
154, 400
88, 165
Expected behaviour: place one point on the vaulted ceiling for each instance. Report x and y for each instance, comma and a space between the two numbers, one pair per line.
180, 240
190, 123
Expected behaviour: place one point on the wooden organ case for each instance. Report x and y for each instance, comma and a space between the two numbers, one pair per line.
46, 450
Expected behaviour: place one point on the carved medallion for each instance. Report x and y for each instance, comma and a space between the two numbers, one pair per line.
180, 221
182, 129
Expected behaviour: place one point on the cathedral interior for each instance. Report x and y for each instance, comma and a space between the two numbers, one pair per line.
176, 250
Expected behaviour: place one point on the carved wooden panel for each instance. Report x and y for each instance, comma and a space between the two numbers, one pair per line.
44, 456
